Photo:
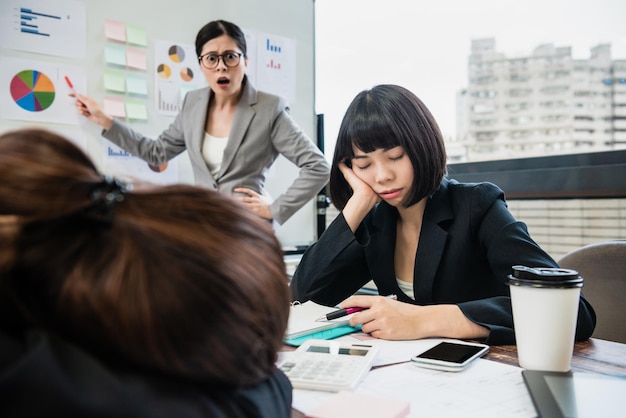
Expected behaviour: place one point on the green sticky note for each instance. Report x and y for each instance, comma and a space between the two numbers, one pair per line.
136, 35
115, 81
136, 109
136, 84
115, 54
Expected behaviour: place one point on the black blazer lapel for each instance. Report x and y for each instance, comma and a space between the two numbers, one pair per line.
432, 243
380, 253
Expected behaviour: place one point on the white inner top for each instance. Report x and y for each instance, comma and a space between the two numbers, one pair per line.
213, 152
406, 287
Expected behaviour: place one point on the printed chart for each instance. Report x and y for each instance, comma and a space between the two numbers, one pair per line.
32, 90
120, 163
276, 65
177, 72
36, 91
45, 27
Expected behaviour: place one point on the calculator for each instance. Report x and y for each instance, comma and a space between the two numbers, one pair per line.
328, 365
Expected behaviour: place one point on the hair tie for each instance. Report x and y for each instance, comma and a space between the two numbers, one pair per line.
104, 196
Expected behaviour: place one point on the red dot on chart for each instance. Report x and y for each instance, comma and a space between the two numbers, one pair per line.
158, 168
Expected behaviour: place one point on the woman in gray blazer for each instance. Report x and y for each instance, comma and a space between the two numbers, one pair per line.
233, 133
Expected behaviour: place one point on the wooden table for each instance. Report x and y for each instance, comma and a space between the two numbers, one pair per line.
594, 355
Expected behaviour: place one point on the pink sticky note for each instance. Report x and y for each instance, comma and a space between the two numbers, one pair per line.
114, 30
136, 58
114, 106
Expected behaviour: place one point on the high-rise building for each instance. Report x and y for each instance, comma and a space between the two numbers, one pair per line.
545, 103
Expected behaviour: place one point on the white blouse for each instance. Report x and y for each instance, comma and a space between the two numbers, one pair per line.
406, 287
213, 152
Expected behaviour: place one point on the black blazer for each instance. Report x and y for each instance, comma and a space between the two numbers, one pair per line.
468, 243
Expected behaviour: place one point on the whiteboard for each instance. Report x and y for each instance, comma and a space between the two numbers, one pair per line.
176, 21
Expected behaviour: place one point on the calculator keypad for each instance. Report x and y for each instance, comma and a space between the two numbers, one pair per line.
315, 371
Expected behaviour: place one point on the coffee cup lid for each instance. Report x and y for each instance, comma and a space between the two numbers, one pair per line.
544, 277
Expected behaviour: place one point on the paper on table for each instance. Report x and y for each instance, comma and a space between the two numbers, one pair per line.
485, 388
302, 319
350, 404
392, 352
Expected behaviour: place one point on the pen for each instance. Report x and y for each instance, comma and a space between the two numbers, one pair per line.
346, 311
69, 83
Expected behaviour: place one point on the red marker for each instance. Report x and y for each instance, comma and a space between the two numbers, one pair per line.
69, 83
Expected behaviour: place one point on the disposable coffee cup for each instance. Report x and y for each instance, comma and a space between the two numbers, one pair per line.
545, 311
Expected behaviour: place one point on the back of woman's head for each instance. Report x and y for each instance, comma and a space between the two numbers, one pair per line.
384, 117
177, 279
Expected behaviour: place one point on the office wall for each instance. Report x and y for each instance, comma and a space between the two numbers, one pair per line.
179, 21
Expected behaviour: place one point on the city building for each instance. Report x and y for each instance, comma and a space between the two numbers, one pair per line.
546, 103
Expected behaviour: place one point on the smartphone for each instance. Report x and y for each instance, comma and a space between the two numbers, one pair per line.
450, 356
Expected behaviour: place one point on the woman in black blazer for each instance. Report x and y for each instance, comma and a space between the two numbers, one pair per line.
443, 247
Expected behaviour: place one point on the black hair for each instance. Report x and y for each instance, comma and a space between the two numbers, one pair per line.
217, 28
385, 117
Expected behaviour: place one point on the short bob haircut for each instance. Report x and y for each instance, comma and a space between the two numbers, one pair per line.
389, 116
217, 28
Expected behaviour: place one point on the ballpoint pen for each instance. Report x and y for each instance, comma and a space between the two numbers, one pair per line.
345, 311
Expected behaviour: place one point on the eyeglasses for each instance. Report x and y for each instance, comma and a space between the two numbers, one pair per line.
231, 59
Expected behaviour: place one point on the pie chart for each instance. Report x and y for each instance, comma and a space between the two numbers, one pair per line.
32, 90
176, 53
164, 71
186, 74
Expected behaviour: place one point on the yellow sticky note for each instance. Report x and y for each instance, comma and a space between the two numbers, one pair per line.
114, 81
115, 54
136, 35
136, 109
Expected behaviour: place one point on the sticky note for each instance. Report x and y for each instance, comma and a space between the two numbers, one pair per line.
136, 109
114, 30
137, 84
114, 81
115, 54
136, 35
136, 58
114, 106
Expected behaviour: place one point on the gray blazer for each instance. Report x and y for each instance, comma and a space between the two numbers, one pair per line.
262, 129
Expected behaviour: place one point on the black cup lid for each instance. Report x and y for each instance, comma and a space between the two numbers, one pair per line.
544, 277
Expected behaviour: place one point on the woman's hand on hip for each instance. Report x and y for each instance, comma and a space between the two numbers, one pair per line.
257, 203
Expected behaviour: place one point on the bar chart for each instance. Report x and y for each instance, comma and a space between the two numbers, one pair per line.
51, 28
29, 21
